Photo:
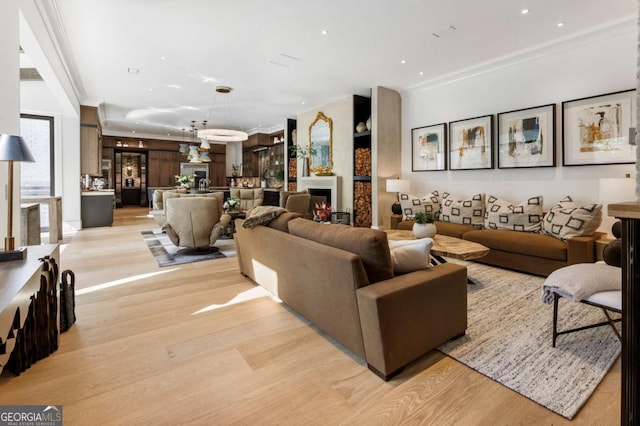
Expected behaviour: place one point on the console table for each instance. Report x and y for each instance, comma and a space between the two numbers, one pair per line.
29, 309
629, 214
55, 215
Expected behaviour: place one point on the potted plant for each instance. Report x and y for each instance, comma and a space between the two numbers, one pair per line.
184, 181
424, 226
231, 204
303, 154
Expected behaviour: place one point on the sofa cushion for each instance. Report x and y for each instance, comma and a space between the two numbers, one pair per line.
502, 214
411, 205
468, 211
568, 219
281, 223
262, 215
530, 244
410, 255
369, 244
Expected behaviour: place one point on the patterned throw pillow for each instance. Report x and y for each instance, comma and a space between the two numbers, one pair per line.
465, 212
502, 214
410, 205
567, 219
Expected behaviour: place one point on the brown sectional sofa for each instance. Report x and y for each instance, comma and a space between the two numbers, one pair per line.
341, 279
533, 253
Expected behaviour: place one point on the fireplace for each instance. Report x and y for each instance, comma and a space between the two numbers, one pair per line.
322, 186
320, 205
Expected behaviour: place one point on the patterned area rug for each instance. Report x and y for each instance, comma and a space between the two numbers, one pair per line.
167, 254
509, 340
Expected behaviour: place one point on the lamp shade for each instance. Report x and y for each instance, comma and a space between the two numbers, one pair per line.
398, 185
14, 148
204, 157
617, 189
204, 145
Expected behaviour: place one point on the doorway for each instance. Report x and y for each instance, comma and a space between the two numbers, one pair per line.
131, 178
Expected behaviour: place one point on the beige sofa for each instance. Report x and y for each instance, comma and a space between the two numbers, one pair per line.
528, 252
341, 279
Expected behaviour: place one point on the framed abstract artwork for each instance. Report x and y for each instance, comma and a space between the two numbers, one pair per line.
471, 143
595, 130
526, 137
429, 148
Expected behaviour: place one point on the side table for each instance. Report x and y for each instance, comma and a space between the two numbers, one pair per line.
231, 229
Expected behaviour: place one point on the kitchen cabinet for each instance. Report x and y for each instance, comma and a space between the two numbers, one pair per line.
90, 142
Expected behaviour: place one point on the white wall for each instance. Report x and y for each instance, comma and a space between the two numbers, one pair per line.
593, 64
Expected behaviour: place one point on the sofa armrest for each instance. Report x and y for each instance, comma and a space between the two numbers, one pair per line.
582, 249
219, 228
171, 233
404, 317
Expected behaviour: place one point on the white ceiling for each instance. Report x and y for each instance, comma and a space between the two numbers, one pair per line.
250, 45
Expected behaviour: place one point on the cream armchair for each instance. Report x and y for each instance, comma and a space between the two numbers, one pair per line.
249, 197
195, 222
297, 202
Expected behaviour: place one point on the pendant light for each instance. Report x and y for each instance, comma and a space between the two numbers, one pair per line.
183, 146
204, 142
194, 156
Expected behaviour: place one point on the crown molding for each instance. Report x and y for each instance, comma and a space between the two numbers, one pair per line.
571, 41
50, 15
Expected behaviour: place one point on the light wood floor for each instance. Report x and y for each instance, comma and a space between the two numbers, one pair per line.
140, 354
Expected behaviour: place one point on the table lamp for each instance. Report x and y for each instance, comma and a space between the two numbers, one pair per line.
398, 186
12, 148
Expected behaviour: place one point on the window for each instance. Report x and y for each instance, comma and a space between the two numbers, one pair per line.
37, 179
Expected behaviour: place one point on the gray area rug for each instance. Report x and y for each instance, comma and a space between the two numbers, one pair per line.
509, 340
167, 254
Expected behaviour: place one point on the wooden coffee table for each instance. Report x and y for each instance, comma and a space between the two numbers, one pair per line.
444, 246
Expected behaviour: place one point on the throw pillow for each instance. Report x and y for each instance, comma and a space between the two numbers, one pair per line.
410, 205
410, 255
502, 214
464, 212
262, 215
568, 219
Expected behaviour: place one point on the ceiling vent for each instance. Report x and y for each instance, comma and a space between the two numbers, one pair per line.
30, 74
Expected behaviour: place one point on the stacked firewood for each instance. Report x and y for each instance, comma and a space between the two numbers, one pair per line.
362, 204
293, 165
363, 162
292, 186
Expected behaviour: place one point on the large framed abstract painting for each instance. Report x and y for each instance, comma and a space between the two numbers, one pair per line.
595, 130
471, 143
526, 137
429, 148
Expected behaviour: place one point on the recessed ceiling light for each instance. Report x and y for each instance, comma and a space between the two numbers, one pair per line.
151, 90
325, 32
421, 73
303, 102
163, 58
403, 61
561, 24
168, 134
137, 122
133, 131
524, 11
174, 86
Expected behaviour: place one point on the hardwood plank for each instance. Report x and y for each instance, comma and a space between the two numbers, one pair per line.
139, 354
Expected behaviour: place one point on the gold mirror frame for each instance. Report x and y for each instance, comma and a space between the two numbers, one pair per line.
326, 169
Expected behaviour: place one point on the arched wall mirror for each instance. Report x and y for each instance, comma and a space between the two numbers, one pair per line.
321, 144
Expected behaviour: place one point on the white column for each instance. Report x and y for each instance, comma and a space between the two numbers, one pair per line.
9, 108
